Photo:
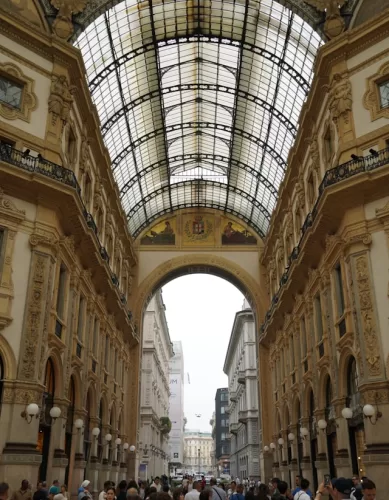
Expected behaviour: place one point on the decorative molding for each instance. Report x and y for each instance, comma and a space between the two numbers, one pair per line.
9, 210
29, 101
340, 100
367, 315
61, 98
371, 98
334, 24
63, 24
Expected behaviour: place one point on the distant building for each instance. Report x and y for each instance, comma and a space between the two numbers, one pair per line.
176, 412
222, 452
197, 451
212, 423
240, 367
157, 352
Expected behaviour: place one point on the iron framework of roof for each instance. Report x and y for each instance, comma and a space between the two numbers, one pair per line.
199, 102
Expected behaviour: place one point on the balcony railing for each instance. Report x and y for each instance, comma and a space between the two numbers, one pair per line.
60, 174
332, 176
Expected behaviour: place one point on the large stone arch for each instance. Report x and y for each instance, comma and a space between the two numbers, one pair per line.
9, 361
207, 263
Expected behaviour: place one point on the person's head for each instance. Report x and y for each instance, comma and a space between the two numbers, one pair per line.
85, 484
4, 491
197, 485
39, 485
132, 484
297, 480
304, 484
274, 484
221, 485
110, 493
24, 485
165, 488
342, 488
44, 485
64, 488
157, 480
132, 492
369, 490
356, 480
239, 488
177, 494
152, 490
206, 494
263, 491
212, 482
163, 496
59, 496
233, 485
153, 495
122, 485
56, 482
282, 487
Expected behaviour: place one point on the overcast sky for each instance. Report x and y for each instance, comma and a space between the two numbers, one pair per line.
200, 311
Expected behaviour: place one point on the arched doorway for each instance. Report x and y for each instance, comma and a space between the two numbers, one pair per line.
44, 434
355, 424
69, 425
331, 427
313, 438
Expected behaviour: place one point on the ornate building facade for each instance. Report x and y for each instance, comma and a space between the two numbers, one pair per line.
240, 367
100, 207
154, 408
326, 259
67, 334
176, 409
197, 451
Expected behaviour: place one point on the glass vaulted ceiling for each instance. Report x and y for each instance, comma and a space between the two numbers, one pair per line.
199, 102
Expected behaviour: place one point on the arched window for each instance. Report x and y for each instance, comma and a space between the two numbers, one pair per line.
44, 435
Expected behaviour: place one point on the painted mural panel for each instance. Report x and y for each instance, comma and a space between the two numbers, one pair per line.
163, 233
235, 234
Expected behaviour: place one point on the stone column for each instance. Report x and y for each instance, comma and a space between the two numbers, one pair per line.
321, 463
93, 466
342, 457
20, 457
283, 453
59, 459
77, 460
306, 466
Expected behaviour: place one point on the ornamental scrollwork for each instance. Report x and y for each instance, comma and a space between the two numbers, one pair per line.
340, 99
60, 99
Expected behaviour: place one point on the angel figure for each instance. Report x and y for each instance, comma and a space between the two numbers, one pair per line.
330, 7
63, 26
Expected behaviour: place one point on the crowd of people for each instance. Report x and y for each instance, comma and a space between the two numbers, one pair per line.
160, 488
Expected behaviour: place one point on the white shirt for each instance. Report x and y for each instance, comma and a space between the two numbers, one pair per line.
301, 495
102, 495
192, 495
157, 486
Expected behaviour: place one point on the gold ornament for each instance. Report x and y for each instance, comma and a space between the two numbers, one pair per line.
334, 25
63, 26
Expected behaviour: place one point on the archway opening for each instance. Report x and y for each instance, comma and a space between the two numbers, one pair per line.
201, 305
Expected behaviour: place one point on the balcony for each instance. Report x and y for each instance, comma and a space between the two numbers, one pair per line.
233, 396
242, 378
234, 429
243, 416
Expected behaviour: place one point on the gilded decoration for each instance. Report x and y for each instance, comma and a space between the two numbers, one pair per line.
63, 25
235, 234
29, 101
369, 327
372, 99
60, 99
163, 233
334, 24
198, 229
25, 9
340, 100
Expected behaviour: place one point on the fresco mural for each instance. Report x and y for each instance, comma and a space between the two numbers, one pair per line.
163, 233
235, 234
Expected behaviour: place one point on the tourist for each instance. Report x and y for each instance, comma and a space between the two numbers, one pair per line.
263, 492
103, 493
110, 493
23, 493
178, 494
283, 489
195, 492
122, 490
85, 493
217, 493
157, 484
206, 494
368, 490
273, 486
302, 493
340, 489
54, 489
231, 489
4, 491
357, 490
238, 495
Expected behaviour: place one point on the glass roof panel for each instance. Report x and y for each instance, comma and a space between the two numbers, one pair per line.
199, 102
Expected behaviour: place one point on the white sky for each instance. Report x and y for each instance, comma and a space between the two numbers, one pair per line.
200, 311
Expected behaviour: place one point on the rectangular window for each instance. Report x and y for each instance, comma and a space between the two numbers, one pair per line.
11, 92
384, 94
303, 338
61, 290
115, 364
318, 318
106, 354
292, 358
222, 410
339, 290
81, 316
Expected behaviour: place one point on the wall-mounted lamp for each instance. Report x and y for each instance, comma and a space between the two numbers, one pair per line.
132, 448
347, 413
126, 446
322, 424
78, 425
265, 449
31, 411
304, 433
280, 443
108, 438
370, 412
95, 432
272, 446
118, 441
291, 437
